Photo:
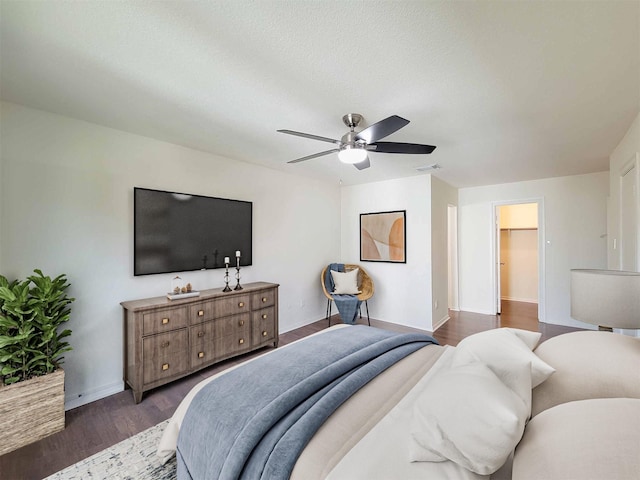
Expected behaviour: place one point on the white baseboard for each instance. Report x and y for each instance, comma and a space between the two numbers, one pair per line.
79, 399
516, 299
476, 310
440, 322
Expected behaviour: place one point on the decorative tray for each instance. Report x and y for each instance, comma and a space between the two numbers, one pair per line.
177, 296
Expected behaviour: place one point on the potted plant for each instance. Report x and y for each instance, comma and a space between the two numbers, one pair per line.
32, 345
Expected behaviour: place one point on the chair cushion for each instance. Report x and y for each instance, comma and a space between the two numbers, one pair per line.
589, 364
582, 440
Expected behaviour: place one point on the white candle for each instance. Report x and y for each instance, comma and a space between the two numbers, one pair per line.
226, 260
237, 253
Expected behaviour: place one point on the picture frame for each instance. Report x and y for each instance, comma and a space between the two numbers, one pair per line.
383, 237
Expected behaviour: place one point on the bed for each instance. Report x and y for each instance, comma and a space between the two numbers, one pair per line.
404, 423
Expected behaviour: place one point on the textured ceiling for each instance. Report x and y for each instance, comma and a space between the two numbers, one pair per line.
507, 90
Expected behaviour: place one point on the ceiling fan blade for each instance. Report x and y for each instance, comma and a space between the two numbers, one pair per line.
382, 129
396, 147
313, 137
309, 157
363, 164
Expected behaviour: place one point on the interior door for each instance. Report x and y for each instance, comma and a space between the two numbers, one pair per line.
629, 221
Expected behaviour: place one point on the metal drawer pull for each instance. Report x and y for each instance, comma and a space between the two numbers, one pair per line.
241, 323
165, 344
264, 315
165, 321
200, 354
264, 334
264, 299
165, 366
241, 304
241, 341
201, 313
200, 334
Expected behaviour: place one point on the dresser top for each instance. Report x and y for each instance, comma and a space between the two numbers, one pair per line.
154, 302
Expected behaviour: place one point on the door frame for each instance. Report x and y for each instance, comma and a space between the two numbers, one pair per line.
632, 163
453, 287
495, 255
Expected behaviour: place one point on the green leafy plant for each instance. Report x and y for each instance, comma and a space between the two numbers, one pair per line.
31, 312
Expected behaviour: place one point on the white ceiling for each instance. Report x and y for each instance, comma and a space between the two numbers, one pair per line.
507, 90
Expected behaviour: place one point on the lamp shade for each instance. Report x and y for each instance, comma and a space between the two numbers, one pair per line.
606, 297
352, 155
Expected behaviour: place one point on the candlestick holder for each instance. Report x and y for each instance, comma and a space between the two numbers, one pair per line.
238, 287
226, 278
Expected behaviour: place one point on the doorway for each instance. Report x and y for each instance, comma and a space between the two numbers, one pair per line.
518, 260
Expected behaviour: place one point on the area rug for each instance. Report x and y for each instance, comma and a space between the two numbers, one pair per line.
132, 459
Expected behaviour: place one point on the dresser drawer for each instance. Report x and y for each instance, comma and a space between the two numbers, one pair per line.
200, 312
165, 355
165, 367
231, 306
164, 320
201, 354
164, 343
235, 324
265, 298
202, 333
264, 326
225, 347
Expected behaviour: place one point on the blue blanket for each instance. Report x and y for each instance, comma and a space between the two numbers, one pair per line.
347, 305
253, 422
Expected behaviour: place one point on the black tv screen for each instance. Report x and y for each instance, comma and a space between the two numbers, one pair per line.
177, 232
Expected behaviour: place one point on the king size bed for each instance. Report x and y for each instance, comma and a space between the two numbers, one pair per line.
355, 402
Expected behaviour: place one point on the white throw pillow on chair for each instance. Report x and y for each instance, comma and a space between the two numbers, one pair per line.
345, 283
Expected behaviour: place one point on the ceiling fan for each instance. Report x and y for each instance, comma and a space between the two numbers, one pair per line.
353, 146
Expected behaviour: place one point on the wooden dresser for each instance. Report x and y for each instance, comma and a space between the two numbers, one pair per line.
168, 339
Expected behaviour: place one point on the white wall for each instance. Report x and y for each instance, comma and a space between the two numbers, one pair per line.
575, 220
442, 195
3, 206
626, 152
67, 207
402, 291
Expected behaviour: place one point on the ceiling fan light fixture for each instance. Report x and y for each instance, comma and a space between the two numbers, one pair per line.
352, 155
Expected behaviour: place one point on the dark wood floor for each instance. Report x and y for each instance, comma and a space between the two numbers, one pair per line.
103, 423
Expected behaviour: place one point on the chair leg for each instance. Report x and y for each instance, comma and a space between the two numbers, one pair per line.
366, 304
329, 311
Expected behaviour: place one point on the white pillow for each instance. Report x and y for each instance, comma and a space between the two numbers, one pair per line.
530, 338
345, 283
514, 373
502, 346
467, 415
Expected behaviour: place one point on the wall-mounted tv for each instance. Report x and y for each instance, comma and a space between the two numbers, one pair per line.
178, 232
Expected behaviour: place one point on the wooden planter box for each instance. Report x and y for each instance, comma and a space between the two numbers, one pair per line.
31, 410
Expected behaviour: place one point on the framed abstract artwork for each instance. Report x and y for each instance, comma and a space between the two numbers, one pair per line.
383, 237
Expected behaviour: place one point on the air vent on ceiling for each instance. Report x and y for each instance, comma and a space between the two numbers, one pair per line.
426, 168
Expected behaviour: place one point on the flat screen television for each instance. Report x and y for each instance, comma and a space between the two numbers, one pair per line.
178, 232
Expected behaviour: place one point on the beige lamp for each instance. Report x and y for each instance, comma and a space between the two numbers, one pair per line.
607, 298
